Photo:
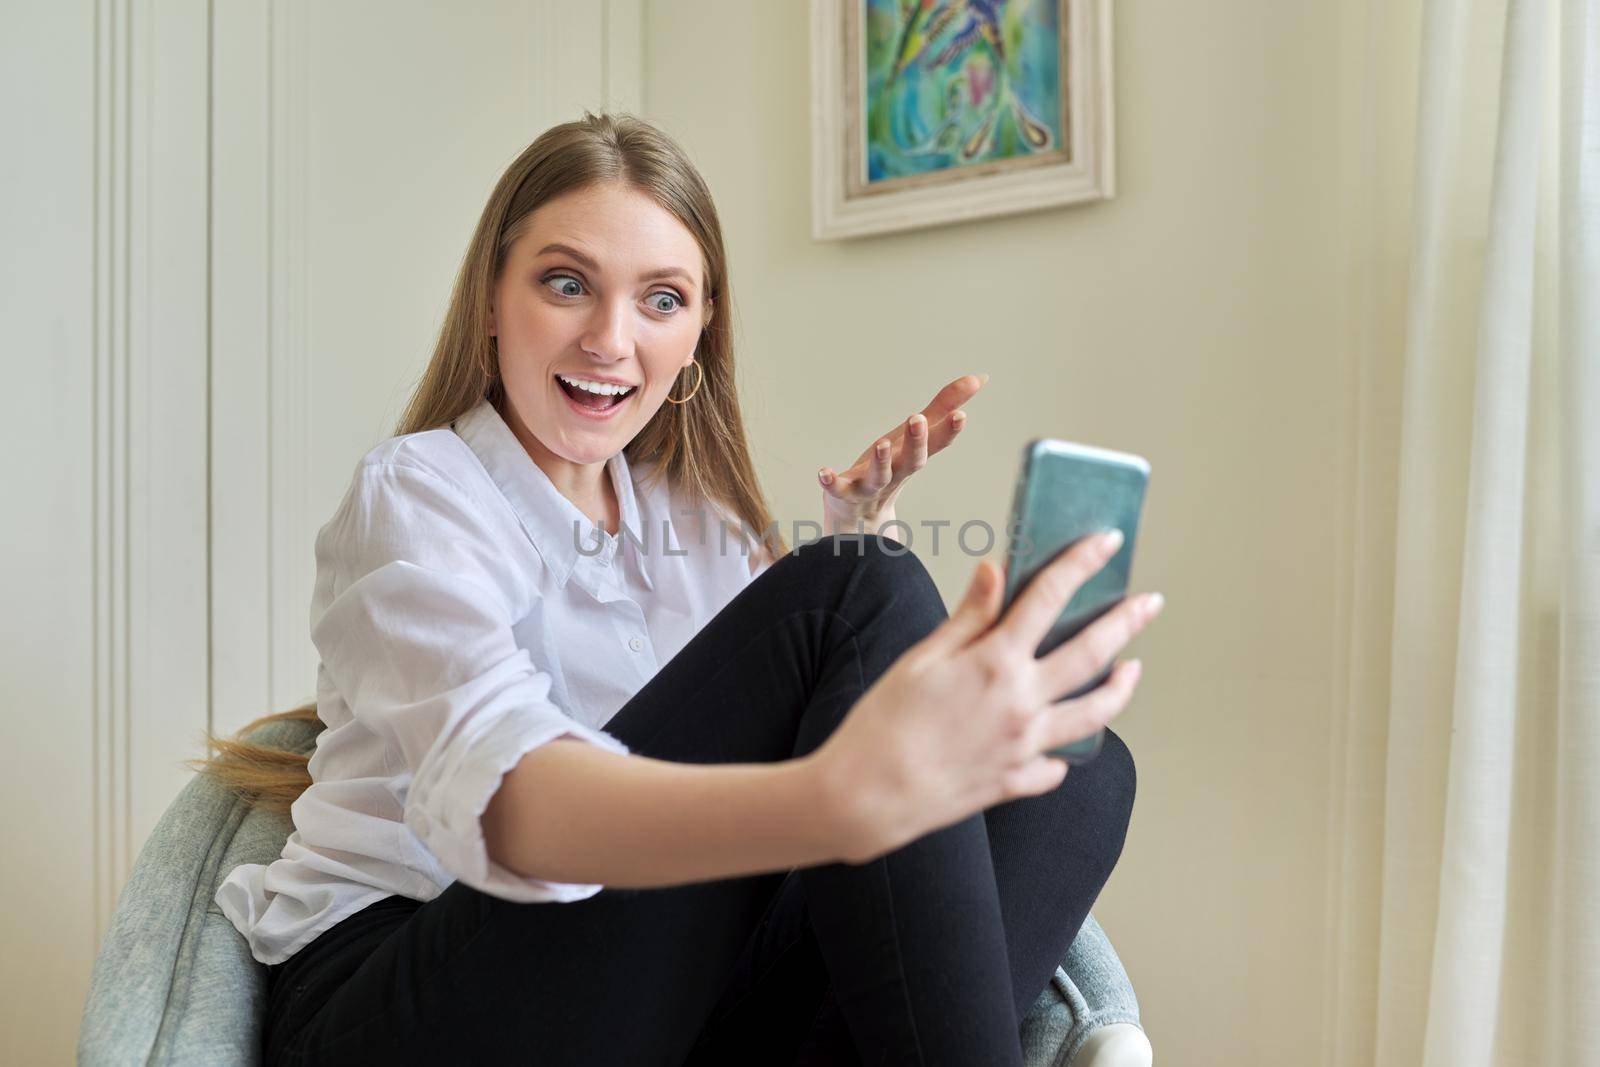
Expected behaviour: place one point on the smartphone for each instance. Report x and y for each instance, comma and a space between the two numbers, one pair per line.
1066, 492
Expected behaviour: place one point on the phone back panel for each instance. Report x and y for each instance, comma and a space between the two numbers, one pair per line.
1066, 492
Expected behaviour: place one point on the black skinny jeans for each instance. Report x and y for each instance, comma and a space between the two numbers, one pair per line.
930, 954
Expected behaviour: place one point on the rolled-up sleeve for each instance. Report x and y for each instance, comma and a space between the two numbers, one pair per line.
413, 621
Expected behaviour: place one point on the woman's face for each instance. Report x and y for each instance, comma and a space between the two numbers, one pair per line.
604, 290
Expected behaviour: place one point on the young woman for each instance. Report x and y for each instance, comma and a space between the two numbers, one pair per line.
597, 785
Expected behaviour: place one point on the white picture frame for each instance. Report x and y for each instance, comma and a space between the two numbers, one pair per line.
845, 205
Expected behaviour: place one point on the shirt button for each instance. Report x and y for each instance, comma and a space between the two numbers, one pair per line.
636, 644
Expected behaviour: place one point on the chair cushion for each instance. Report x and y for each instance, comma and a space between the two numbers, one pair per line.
174, 982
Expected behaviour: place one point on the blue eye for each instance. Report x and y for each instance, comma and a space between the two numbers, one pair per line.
565, 284
676, 302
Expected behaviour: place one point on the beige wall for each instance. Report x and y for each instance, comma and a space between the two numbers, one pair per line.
1200, 319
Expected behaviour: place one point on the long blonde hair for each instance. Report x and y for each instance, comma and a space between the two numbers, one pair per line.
699, 446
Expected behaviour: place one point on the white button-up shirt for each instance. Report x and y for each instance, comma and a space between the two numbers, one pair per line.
466, 612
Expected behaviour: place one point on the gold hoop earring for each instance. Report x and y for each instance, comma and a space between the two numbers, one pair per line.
697, 382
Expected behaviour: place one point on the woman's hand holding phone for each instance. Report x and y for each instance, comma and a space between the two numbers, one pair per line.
963, 720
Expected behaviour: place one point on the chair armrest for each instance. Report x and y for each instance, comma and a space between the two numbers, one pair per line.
1090, 990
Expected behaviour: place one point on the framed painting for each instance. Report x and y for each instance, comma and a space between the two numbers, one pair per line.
933, 111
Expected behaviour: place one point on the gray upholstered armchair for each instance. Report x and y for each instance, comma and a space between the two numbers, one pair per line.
174, 983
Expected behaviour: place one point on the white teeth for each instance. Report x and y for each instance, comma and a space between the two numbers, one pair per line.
603, 388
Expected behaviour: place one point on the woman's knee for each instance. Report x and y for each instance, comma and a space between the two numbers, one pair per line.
871, 571
1115, 777
1092, 807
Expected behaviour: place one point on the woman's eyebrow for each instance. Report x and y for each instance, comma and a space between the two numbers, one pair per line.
661, 273
588, 263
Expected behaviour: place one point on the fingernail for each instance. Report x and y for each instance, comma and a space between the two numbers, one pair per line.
914, 424
982, 378
824, 475
1153, 603
1110, 541
883, 446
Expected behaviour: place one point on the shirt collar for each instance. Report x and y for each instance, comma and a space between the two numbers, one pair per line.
545, 513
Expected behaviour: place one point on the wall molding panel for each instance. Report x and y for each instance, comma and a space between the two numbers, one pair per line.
244, 178
111, 832
148, 421
289, 459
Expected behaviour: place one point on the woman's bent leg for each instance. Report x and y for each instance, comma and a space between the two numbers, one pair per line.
1051, 855
914, 940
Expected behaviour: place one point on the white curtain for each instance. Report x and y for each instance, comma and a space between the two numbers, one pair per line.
1481, 945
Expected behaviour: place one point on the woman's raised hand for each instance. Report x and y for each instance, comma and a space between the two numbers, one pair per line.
963, 718
861, 497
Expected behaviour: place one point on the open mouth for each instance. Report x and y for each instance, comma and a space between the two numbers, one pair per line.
591, 395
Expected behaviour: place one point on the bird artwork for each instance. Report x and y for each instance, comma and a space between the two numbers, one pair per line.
957, 82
